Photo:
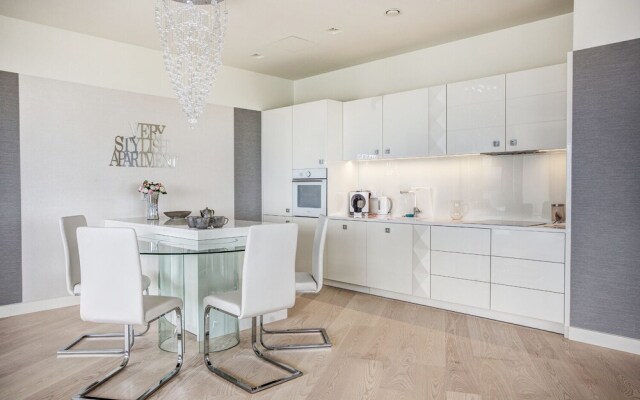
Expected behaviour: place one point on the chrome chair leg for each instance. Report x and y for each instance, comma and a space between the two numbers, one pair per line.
67, 351
237, 381
128, 333
326, 343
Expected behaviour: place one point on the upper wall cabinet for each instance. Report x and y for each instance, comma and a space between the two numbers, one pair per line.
362, 125
317, 134
405, 124
438, 120
276, 161
537, 109
476, 116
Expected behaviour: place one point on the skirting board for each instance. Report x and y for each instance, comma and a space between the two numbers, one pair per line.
34, 306
610, 341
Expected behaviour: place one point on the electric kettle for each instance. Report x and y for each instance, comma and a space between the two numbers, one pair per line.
382, 205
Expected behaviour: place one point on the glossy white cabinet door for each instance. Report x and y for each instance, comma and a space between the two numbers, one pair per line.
346, 252
310, 134
461, 291
276, 161
476, 116
461, 240
306, 233
421, 261
389, 257
540, 246
405, 124
539, 275
458, 265
362, 129
547, 306
537, 108
438, 120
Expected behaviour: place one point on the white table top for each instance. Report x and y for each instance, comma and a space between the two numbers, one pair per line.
179, 228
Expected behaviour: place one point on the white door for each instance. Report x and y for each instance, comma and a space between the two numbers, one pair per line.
306, 232
389, 257
276, 161
362, 129
476, 116
405, 124
310, 135
537, 109
346, 252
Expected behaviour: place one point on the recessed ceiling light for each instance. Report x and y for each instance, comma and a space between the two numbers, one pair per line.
394, 12
334, 31
257, 56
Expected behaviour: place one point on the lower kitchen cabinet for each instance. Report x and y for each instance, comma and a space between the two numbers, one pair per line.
539, 275
461, 291
422, 261
531, 303
346, 256
306, 233
464, 266
389, 257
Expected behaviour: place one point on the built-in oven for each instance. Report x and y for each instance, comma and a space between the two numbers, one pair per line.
309, 192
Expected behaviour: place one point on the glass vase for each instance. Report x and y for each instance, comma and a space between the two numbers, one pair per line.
152, 205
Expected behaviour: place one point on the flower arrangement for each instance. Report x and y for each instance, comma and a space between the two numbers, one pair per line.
148, 187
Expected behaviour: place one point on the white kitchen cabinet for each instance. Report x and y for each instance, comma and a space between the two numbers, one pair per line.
276, 161
362, 129
306, 233
389, 257
461, 240
405, 124
346, 252
276, 219
315, 126
464, 266
422, 261
537, 304
536, 109
476, 116
539, 275
461, 291
540, 246
438, 120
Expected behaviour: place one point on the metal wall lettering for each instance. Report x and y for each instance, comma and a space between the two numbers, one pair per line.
145, 148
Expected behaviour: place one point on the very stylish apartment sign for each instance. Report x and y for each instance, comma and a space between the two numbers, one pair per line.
145, 148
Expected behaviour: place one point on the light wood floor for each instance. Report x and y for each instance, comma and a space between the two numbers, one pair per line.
383, 349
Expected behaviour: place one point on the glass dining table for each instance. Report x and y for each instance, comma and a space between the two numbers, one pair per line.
191, 270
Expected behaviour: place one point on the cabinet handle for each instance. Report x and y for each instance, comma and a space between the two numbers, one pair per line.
513, 142
387, 151
496, 143
321, 161
287, 210
376, 152
286, 221
387, 230
344, 227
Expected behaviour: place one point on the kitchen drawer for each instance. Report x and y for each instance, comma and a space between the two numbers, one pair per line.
540, 246
461, 240
459, 265
528, 302
421, 285
460, 291
540, 275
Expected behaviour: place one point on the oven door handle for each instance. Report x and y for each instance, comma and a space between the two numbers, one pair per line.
319, 180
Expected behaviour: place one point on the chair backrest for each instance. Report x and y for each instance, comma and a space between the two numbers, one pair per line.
268, 273
317, 262
111, 276
68, 227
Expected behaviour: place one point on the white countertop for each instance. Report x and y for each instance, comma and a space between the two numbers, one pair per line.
179, 228
462, 223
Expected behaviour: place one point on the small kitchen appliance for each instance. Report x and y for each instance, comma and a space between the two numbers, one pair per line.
359, 203
381, 205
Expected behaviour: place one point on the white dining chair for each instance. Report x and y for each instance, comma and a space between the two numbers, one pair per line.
68, 228
306, 283
267, 285
112, 294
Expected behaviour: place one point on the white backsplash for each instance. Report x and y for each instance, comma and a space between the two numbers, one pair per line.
514, 187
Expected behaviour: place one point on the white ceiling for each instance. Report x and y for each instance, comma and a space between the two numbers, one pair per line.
260, 26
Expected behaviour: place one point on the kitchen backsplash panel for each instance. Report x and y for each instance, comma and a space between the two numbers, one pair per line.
490, 187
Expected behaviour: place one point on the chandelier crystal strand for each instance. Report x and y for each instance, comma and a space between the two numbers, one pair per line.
192, 36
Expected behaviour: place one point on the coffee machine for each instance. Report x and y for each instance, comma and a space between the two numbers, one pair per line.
359, 202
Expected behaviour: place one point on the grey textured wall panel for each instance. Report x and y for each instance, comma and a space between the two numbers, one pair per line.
10, 231
247, 164
605, 251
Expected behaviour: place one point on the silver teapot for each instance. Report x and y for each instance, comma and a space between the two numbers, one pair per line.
207, 212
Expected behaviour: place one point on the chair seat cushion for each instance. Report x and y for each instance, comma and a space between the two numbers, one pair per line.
228, 302
155, 306
305, 282
146, 282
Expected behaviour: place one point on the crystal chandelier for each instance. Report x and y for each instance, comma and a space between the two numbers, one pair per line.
192, 34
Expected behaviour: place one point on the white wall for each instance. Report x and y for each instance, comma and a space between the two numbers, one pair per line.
40, 50
526, 46
67, 133
600, 22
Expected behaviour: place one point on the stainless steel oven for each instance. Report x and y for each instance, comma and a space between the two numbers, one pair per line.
309, 192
